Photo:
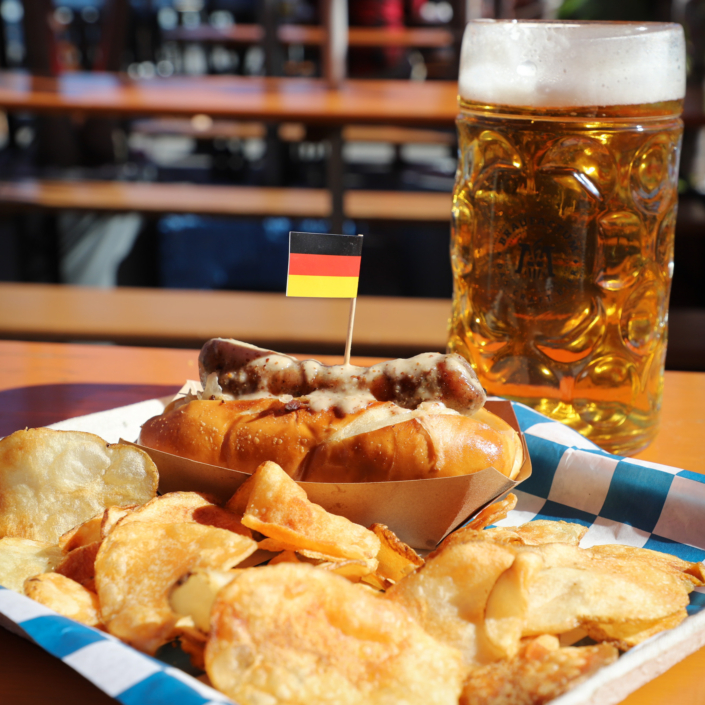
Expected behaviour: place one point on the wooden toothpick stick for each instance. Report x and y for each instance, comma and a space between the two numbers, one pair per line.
351, 321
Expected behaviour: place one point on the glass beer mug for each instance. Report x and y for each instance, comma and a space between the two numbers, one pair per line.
563, 218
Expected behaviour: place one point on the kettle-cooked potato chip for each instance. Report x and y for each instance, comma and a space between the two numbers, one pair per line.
112, 516
625, 635
507, 604
577, 587
278, 508
140, 562
79, 564
64, 596
691, 573
540, 672
195, 595
541, 531
83, 534
23, 558
448, 595
51, 481
396, 559
493, 513
535, 533
176, 507
297, 634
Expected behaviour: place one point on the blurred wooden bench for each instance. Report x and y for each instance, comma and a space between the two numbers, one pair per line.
201, 127
315, 102
312, 35
427, 104
151, 197
384, 326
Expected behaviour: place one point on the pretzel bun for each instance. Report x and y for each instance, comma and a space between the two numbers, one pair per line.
380, 442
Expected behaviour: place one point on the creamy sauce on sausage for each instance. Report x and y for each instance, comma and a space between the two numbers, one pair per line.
323, 399
425, 378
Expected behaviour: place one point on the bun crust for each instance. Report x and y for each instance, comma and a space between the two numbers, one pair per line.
381, 442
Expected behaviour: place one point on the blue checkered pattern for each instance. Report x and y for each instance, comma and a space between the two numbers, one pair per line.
620, 500
118, 670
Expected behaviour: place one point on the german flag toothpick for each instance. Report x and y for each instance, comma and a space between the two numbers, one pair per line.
323, 265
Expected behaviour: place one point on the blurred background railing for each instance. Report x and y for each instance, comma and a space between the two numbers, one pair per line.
150, 145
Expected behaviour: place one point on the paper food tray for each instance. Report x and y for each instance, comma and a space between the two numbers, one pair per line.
420, 512
621, 501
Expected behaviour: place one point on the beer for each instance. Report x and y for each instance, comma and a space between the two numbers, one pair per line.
563, 218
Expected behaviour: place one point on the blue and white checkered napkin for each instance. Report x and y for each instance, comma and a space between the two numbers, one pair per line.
118, 670
620, 500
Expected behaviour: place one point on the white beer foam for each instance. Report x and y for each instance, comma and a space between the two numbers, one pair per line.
564, 64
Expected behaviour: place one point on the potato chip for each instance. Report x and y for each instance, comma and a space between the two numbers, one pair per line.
577, 587
500, 536
693, 573
195, 595
374, 582
534, 533
259, 557
274, 546
112, 516
396, 559
24, 558
350, 569
279, 509
493, 513
298, 634
625, 635
79, 564
237, 504
317, 557
64, 596
85, 533
51, 481
448, 595
285, 557
541, 531
140, 562
540, 672
507, 604
177, 507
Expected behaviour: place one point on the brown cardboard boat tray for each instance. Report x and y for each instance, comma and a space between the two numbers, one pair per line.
420, 512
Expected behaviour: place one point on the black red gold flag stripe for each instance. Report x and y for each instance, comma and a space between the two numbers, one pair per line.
323, 265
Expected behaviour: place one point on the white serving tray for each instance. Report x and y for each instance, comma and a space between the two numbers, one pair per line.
608, 687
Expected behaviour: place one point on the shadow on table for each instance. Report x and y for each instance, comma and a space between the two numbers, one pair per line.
29, 407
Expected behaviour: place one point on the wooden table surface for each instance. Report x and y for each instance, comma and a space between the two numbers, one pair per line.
41, 383
426, 103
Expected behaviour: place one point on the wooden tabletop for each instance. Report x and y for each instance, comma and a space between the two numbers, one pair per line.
41, 383
426, 103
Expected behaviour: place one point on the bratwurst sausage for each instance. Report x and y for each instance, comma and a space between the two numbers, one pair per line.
242, 370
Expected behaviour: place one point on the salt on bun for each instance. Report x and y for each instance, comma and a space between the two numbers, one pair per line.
377, 443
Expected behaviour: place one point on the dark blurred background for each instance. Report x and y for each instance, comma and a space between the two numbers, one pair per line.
161, 38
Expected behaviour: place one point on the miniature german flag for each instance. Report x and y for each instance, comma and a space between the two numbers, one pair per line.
323, 265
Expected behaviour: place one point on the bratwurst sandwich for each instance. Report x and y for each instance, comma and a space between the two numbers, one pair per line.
397, 420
